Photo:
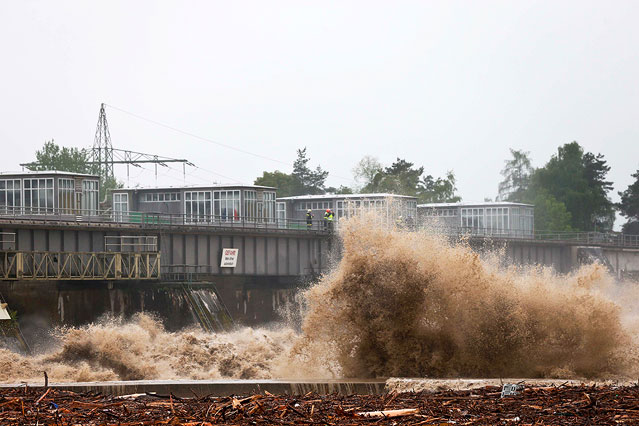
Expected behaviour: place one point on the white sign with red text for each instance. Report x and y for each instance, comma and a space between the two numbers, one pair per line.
229, 257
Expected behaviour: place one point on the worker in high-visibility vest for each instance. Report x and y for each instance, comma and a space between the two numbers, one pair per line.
328, 219
309, 219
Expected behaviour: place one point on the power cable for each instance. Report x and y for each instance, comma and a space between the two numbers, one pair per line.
193, 135
202, 138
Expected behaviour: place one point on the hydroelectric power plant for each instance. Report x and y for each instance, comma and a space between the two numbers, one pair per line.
220, 255
229, 289
224, 289
319, 213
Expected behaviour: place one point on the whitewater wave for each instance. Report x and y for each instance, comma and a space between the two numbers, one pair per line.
408, 304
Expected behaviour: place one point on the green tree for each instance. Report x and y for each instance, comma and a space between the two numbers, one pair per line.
629, 206
302, 181
54, 157
399, 178
551, 215
310, 181
74, 160
402, 177
366, 170
287, 185
440, 190
341, 190
516, 173
576, 179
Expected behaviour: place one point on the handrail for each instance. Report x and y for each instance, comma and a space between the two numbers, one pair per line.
616, 239
151, 219
147, 243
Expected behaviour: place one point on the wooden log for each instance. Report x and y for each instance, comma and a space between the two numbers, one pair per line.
389, 413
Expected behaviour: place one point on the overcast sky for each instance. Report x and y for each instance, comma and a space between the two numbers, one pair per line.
450, 85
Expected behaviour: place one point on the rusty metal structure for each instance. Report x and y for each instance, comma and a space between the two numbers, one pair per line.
44, 265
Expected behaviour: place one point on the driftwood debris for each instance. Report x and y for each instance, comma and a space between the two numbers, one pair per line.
563, 405
389, 413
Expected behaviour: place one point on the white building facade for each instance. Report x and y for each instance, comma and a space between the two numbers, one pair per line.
488, 218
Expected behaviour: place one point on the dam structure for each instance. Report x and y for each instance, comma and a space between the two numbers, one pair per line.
215, 256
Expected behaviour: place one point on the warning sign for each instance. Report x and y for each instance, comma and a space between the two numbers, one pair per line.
4, 315
229, 257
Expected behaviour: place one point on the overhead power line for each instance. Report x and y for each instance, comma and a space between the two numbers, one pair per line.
193, 135
212, 141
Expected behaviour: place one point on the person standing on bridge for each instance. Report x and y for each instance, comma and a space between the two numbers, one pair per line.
309, 219
328, 220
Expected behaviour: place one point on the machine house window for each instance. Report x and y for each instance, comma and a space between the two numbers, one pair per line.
269, 206
440, 212
472, 218
197, 206
527, 220
66, 194
89, 197
10, 196
226, 205
281, 214
38, 196
497, 220
156, 197
120, 207
314, 205
250, 205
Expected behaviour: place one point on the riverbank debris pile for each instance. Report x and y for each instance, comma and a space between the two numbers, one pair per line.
557, 405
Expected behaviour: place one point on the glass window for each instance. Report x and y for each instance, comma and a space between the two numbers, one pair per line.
269, 206
472, 218
197, 206
89, 197
281, 214
497, 222
226, 205
120, 207
10, 196
527, 221
250, 205
66, 194
38, 196
340, 211
151, 197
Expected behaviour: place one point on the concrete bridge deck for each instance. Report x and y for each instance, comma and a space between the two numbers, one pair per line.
286, 248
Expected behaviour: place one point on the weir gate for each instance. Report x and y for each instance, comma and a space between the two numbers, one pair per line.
73, 270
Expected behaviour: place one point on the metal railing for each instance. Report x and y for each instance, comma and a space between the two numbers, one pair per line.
184, 272
150, 219
39, 265
616, 239
131, 243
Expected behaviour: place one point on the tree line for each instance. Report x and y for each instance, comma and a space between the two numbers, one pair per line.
570, 192
401, 177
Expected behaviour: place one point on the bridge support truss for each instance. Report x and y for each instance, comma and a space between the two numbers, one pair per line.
42, 265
